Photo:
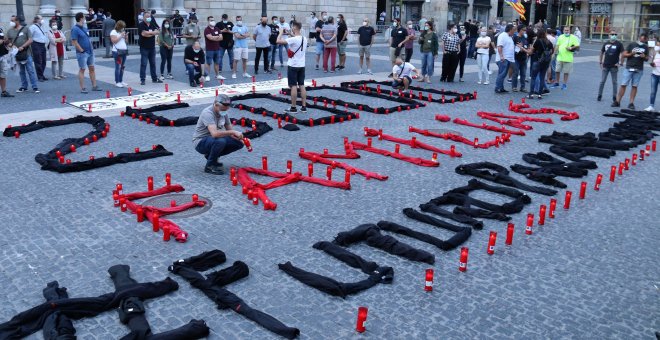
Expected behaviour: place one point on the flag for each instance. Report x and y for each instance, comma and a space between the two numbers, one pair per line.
518, 7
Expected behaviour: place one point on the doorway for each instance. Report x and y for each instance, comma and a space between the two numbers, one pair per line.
121, 9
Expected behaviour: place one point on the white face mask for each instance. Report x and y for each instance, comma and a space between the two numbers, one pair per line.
196, 50
43, 22
167, 25
239, 23
364, 23
325, 18
483, 33
148, 19
54, 27
211, 23
12, 24
410, 26
58, 14
454, 30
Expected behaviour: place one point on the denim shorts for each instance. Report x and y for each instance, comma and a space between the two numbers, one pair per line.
84, 60
319, 47
632, 77
212, 57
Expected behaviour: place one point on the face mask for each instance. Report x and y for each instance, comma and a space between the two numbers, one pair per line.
194, 23
239, 23
640, 43
43, 22
224, 21
567, 34
409, 26
196, 50
57, 14
211, 23
54, 27
613, 37
148, 19
427, 28
394, 24
454, 30
364, 23
525, 35
325, 18
483, 34
12, 24
166, 25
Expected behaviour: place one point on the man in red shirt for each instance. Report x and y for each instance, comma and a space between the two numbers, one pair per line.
213, 37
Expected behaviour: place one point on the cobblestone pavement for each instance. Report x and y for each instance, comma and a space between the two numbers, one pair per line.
587, 274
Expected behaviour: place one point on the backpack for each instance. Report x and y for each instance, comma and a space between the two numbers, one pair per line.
546, 56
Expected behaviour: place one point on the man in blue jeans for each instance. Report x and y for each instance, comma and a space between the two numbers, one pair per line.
214, 135
84, 52
19, 36
148, 30
193, 58
504, 57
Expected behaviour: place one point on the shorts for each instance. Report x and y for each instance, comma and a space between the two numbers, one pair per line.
564, 67
632, 77
4, 66
342, 47
398, 83
240, 53
394, 55
319, 47
364, 51
213, 57
296, 76
84, 60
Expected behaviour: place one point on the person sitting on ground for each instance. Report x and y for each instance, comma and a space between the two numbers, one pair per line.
193, 58
214, 135
402, 74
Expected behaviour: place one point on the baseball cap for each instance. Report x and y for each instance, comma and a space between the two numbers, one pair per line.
223, 99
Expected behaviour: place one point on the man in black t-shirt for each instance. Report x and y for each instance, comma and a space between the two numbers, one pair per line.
342, 41
4, 65
319, 43
147, 32
636, 54
366, 39
611, 57
193, 58
473, 33
227, 42
397, 37
177, 24
274, 32
522, 50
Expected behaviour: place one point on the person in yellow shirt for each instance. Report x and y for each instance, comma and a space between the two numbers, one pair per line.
567, 44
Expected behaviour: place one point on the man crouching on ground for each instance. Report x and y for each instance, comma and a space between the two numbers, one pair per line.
214, 135
403, 74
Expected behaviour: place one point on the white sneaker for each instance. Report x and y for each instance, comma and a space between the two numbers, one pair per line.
207, 78
233, 76
650, 108
490, 72
479, 82
124, 84
119, 85
161, 77
220, 77
369, 72
360, 71
246, 75
486, 83
170, 76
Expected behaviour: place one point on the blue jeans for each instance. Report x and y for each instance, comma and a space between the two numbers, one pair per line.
192, 75
148, 55
119, 66
503, 69
471, 49
428, 63
520, 68
279, 48
213, 148
28, 67
654, 87
230, 53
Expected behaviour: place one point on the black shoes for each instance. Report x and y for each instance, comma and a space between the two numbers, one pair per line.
156, 80
303, 109
214, 170
615, 104
292, 110
599, 98
501, 91
6, 94
631, 106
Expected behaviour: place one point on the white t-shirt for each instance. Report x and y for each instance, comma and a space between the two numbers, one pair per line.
506, 42
656, 60
403, 71
121, 44
287, 29
298, 59
483, 40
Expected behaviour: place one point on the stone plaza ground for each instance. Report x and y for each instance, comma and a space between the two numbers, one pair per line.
589, 273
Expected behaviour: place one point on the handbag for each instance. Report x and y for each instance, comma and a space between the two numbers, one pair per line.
21, 55
290, 53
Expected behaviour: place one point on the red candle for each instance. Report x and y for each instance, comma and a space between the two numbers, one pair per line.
553, 206
509, 234
476, 142
168, 179
567, 200
462, 264
530, 222
104, 134
86, 141
641, 154
155, 221
63, 99
289, 166
620, 172
115, 198
583, 190
178, 98
434, 157
653, 146
122, 203
397, 148
172, 203
491, 243
369, 142
264, 163
111, 154
150, 183
329, 173
626, 164
542, 210
91, 158
140, 214
310, 169
166, 233
347, 177
120, 188
634, 159
195, 197
137, 150
612, 173
361, 319
599, 179
428, 282
72, 148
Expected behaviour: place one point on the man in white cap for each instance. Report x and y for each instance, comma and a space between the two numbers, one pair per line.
214, 135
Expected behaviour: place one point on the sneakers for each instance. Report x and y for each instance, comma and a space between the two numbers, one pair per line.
162, 77
369, 72
170, 76
96, 88
193, 84
35, 90
125, 84
21, 90
84, 90
501, 91
515, 89
479, 82
360, 71
615, 104
650, 108
563, 87
8, 95
214, 170
461, 80
486, 83
119, 85
207, 78
490, 72
554, 86
246, 75
317, 67
428, 79
233, 76
156, 81
142, 82
291, 110
390, 75
599, 98
220, 77
631, 106
303, 109
545, 91
508, 80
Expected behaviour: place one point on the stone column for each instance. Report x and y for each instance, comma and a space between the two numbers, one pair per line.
76, 6
178, 4
155, 4
47, 8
